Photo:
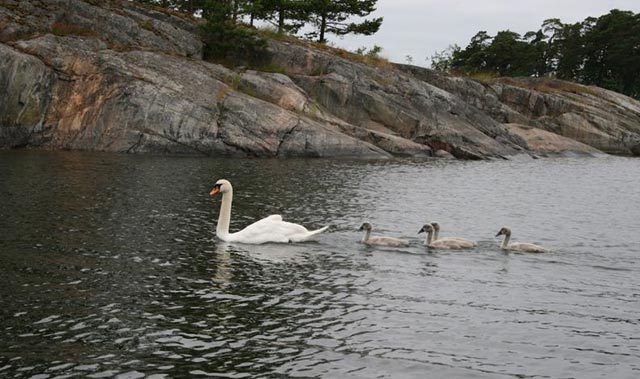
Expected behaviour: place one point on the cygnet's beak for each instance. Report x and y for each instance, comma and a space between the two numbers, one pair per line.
215, 190
499, 233
421, 230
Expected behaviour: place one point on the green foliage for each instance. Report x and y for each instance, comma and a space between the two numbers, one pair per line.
189, 6
287, 16
371, 57
233, 80
330, 16
373, 52
612, 52
443, 60
361, 50
601, 51
227, 42
273, 67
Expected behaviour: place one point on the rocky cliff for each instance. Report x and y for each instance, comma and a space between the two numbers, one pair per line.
116, 76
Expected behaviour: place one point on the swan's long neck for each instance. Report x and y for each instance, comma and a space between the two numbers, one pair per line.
505, 243
428, 238
224, 218
367, 234
435, 234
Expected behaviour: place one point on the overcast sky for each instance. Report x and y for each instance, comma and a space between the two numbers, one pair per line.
420, 27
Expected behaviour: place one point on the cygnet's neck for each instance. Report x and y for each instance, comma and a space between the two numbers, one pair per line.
429, 237
505, 243
367, 234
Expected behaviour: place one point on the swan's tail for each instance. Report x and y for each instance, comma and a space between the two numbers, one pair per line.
313, 233
307, 235
318, 231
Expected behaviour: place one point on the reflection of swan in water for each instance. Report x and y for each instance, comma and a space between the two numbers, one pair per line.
223, 272
266, 253
440, 244
380, 240
269, 229
518, 246
454, 242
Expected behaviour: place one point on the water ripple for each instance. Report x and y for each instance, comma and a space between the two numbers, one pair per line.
114, 271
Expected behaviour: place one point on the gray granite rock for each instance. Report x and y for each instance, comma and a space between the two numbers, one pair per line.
117, 76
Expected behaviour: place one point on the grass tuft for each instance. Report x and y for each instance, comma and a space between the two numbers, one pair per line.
549, 85
360, 56
148, 25
273, 68
63, 29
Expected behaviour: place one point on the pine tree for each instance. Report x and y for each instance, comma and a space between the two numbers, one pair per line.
603, 51
331, 16
225, 40
286, 15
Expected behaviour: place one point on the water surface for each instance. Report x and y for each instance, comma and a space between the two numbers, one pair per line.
110, 268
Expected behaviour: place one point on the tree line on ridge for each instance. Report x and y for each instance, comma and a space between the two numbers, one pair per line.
603, 51
324, 16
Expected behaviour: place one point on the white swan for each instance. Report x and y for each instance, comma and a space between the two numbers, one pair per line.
379, 240
269, 229
525, 247
454, 242
439, 244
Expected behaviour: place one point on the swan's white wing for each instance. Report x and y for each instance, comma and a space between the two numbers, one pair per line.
270, 229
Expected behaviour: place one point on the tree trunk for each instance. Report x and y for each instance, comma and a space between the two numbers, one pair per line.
235, 12
281, 21
323, 26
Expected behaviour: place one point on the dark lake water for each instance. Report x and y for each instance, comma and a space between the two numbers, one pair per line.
110, 268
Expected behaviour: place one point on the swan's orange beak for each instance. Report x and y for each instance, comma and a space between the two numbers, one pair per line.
215, 190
